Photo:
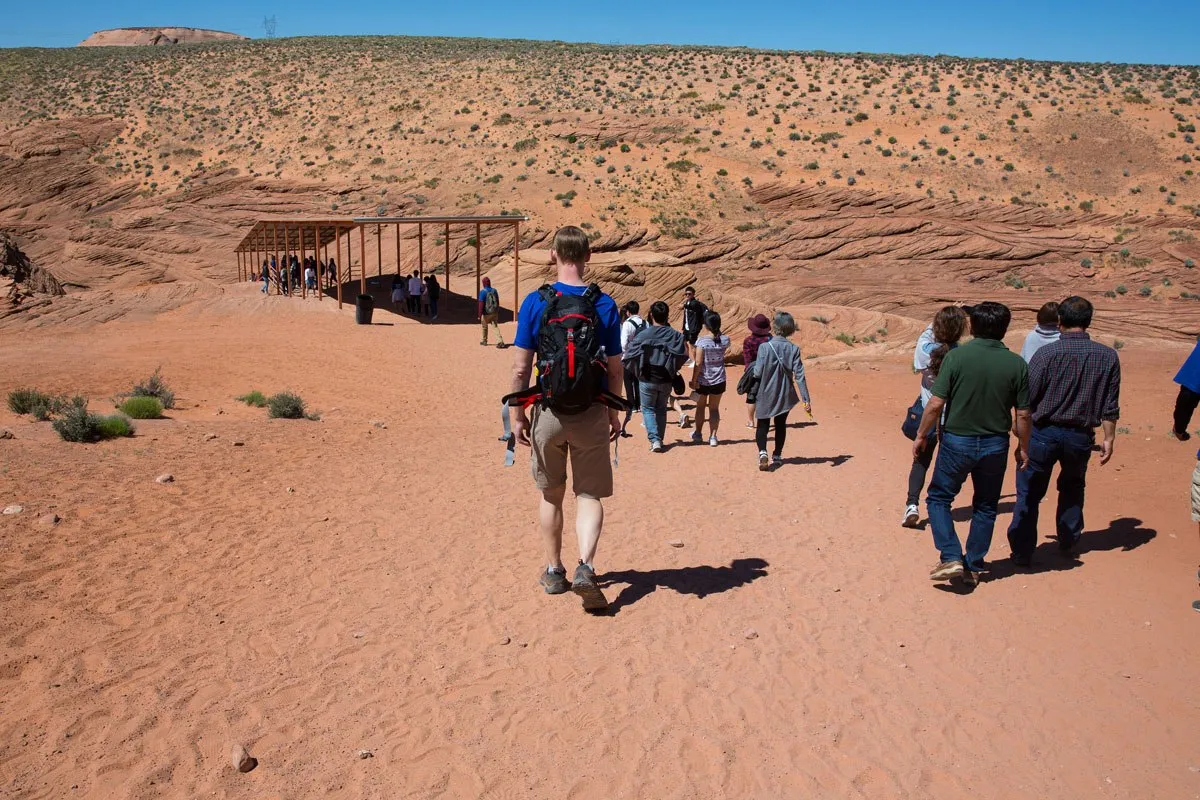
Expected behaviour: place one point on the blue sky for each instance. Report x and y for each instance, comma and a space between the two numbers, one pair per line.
1101, 30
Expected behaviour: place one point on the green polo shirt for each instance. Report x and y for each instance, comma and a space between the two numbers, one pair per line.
982, 382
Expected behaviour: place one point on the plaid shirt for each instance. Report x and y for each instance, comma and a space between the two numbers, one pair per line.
1075, 382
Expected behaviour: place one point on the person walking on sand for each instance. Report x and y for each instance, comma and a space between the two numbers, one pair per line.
1045, 333
434, 293
780, 372
654, 357
489, 312
399, 290
415, 288
1188, 397
708, 378
693, 321
1186, 401
266, 277
939, 338
760, 332
574, 331
1074, 388
631, 325
978, 386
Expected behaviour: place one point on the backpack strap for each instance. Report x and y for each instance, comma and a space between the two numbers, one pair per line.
524, 398
547, 292
592, 293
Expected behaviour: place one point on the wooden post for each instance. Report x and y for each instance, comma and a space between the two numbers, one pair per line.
337, 234
516, 269
379, 250
447, 258
285, 271
362, 256
477, 244
317, 258
303, 255
398, 251
421, 249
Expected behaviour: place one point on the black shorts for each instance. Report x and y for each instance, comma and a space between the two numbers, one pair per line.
691, 336
716, 388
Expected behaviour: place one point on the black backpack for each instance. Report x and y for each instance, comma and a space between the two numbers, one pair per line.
571, 360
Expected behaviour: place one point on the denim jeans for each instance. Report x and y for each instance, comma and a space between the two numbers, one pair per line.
654, 408
984, 458
1070, 448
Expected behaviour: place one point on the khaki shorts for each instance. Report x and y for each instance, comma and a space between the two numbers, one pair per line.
582, 437
1196, 493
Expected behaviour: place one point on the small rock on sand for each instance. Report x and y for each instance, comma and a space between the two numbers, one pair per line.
503, 640
12, 510
49, 520
166, 477
750, 633
208, 437
365, 754
378, 423
238, 443
242, 760
675, 543
5, 433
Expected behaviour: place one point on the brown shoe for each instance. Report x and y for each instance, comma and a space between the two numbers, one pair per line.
946, 571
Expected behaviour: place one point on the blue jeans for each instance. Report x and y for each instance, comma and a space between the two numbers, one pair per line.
1070, 448
984, 458
654, 408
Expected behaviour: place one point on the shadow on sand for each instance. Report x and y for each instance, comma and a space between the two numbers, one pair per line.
1124, 533
700, 581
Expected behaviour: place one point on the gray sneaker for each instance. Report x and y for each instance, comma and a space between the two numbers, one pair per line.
946, 571
554, 581
585, 586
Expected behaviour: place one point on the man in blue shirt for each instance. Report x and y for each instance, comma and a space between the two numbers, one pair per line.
583, 438
489, 313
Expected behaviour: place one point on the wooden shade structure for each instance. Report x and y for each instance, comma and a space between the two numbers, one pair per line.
313, 236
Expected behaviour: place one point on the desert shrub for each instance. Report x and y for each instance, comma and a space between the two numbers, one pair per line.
846, 338
822, 320
114, 426
77, 424
254, 398
1118, 344
1144, 291
1085, 263
1122, 289
155, 386
142, 407
1188, 263
285, 405
23, 401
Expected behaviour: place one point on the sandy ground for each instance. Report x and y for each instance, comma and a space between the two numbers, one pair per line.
368, 609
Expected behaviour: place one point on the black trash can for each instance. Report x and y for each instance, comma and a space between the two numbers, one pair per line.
363, 309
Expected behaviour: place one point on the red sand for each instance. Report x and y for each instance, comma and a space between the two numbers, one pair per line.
157, 625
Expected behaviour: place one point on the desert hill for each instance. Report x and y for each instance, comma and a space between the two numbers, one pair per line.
861, 190
138, 37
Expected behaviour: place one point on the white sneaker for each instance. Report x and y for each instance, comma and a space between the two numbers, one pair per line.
683, 420
912, 516
712, 441
656, 447
764, 461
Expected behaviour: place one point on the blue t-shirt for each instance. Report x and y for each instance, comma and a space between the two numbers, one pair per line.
530, 320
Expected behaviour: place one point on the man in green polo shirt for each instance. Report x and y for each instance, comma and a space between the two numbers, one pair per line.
978, 387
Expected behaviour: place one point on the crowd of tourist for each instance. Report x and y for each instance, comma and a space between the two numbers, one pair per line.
974, 396
287, 276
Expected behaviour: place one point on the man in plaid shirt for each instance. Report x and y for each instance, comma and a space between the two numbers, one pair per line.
1074, 387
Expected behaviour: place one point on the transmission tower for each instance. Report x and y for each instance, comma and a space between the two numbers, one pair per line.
269, 26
